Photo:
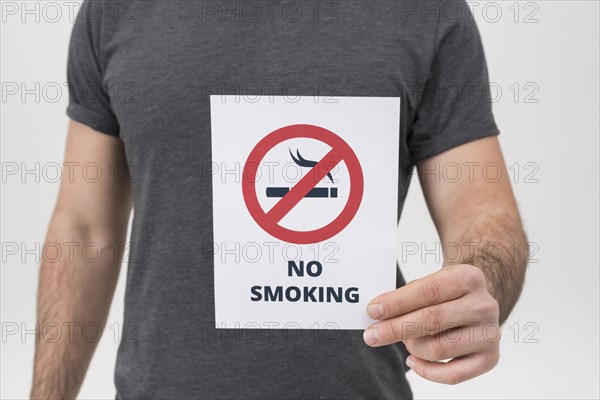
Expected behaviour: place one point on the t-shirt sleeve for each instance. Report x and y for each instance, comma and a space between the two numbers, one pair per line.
89, 102
455, 107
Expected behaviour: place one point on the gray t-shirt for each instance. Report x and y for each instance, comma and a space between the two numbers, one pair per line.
144, 70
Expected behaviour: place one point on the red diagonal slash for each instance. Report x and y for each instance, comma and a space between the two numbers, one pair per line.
305, 185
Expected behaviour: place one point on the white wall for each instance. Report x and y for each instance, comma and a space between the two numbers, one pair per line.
558, 135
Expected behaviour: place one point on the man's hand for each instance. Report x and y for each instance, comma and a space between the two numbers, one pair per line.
456, 312
449, 314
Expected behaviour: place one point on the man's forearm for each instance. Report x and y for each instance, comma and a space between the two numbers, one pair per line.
74, 292
496, 243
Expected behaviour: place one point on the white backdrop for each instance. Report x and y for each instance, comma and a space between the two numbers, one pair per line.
543, 62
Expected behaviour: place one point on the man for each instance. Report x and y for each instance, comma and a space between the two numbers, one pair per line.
146, 127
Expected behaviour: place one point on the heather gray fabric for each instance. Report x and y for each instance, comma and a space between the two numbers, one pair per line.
143, 71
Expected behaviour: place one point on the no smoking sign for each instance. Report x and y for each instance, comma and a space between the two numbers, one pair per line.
340, 152
304, 210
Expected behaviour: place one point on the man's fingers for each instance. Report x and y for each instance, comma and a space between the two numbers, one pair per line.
454, 342
457, 370
429, 320
447, 284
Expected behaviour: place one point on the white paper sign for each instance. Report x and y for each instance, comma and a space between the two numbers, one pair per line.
305, 199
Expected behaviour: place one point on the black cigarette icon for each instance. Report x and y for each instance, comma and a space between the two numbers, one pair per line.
320, 192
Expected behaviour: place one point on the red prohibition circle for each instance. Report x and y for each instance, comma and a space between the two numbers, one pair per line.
340, 151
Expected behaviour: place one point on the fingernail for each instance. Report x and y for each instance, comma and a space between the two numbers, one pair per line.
410, 361
375, 311
371, 336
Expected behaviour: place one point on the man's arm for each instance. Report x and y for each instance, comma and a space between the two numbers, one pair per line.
455, 312
479, 213
90, 218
